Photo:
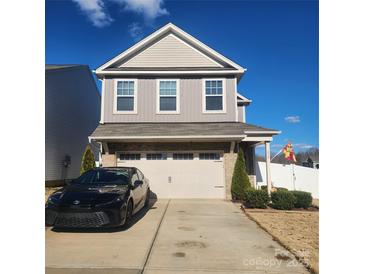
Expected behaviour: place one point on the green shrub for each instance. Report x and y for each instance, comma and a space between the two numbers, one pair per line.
283, 200
88, 160
256, 198
240, 180
303, 199
277, 188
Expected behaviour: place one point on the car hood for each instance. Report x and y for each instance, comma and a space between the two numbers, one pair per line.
90, 195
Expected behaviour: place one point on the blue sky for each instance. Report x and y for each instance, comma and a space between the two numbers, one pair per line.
277, 41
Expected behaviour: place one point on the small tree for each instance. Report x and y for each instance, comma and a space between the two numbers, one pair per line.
240, 180
88, 160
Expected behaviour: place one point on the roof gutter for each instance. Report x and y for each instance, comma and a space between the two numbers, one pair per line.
177, 137
169, 72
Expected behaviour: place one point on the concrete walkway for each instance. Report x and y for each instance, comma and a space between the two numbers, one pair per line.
189, 236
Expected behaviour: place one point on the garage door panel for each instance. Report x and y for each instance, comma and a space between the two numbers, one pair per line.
188, 178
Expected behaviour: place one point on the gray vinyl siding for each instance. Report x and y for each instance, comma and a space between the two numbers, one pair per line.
169, 52
190, 103
241, 114
72, 112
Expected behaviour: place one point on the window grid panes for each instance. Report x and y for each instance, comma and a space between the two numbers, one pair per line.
168, 94
209, 156
214, 95
129, 156
213, 87
125, 95
156, 156
182, 156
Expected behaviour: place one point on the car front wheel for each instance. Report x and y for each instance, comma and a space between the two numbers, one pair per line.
147, 200
128, 213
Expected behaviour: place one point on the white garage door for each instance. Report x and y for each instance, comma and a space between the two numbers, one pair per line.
180, 174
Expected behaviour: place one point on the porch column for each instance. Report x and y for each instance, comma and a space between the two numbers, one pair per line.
268, 170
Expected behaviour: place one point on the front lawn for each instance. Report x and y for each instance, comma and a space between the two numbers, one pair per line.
296, 230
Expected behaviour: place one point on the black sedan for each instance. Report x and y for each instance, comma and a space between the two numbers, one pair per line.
101, 197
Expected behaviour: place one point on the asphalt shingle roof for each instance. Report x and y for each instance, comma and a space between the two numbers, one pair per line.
178, 129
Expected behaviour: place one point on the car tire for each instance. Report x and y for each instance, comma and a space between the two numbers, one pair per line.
128, 213
147, 200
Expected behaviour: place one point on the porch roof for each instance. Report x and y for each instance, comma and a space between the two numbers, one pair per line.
221, 130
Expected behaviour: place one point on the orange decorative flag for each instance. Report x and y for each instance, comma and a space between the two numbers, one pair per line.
289, 153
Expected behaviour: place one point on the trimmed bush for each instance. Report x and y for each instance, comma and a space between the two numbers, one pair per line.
240, 180
88, 160
283, 200
256, 198
277, 188
303, 199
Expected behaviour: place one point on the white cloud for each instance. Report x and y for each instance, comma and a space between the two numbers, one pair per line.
149, 9
136, 31
302, 146
292, 119
96, 12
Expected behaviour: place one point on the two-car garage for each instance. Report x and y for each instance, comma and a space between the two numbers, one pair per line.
177, 174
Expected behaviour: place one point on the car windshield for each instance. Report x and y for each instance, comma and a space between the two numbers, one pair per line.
104, 176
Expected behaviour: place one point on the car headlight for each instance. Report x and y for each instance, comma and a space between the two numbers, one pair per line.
115, 200
53, 199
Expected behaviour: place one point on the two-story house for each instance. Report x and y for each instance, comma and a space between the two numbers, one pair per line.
170, 107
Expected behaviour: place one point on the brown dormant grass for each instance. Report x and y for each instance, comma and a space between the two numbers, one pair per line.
295, 230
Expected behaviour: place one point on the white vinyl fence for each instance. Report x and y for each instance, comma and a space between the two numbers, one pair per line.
306, 179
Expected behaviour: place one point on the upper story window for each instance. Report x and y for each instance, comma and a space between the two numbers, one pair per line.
214, 96
125, 96
168, 96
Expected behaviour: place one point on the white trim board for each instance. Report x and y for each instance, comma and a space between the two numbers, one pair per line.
238, 137
179, 32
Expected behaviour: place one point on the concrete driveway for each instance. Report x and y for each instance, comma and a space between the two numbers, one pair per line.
190, 236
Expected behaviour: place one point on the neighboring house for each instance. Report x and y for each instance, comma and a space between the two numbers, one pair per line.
170, 107
72, 112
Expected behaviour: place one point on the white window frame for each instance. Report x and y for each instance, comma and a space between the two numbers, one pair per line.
169, 154
223, 95
158, 111
135, 96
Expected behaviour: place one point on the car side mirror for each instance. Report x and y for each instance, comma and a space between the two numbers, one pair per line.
137, 183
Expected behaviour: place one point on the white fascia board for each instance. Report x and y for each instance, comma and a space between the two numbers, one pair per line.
243, 98
165, 72
179, 31
257, 139
233, 137
262, 132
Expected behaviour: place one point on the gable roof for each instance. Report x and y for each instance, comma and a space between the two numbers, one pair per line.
162, 42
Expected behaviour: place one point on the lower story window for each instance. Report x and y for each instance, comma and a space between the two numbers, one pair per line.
129, 156
156, 156
182, 156
209, 156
